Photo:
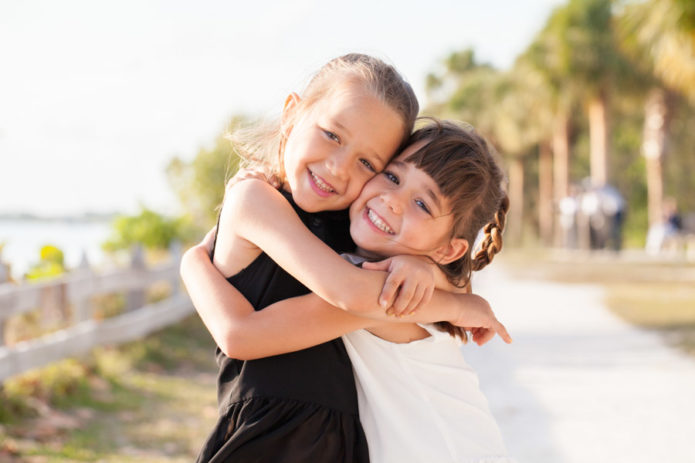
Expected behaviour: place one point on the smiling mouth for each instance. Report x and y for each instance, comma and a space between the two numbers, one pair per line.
378, 223
323, 186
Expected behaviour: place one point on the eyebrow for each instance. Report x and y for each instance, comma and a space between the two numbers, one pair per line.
430, 192
384, 160
435, 198
341, 126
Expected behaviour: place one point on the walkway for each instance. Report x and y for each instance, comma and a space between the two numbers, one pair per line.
578, 385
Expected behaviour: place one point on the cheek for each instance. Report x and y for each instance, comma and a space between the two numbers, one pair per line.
359, 184
298, 150
289, 157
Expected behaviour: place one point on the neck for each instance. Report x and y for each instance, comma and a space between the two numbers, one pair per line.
369, 255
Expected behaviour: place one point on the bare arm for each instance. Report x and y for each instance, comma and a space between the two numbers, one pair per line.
253, 211
304, 321
410, 275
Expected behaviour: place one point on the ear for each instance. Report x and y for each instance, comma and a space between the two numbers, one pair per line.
453, 250
291, 103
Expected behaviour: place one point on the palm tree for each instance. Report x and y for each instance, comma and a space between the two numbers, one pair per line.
659, 36
545, 70
522, 122
578, 46
492, 102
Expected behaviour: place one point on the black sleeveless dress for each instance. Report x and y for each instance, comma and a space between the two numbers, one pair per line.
296, 407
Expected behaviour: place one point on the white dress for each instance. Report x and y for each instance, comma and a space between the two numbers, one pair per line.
420, 401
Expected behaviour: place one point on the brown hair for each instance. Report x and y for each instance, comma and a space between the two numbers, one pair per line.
461, 163
262, 145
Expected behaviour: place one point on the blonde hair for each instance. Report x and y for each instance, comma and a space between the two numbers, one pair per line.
262, 145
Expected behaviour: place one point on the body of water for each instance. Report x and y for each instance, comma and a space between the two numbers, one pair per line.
23, 240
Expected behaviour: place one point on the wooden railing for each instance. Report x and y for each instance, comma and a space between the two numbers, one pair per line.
72, 295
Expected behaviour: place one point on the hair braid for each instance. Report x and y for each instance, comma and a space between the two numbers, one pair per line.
463, 165
492, 241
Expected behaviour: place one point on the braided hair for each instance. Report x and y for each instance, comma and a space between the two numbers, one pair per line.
462, 165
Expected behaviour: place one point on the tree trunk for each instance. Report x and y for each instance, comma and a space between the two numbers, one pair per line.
598, 140
655, 190
545, 193
561, 166
516, 198
656, 112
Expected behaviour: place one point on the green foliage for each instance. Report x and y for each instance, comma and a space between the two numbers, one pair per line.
679, 162
50, 383
659, 38
461, 62
55, 384
181, 345
574, 58
51, 264
98, 380
199, 184
461, 89
686, 21
149, 229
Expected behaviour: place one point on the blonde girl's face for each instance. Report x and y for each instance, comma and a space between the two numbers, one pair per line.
402, 211
337, 145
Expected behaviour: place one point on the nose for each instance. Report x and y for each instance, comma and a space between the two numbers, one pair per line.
393, 201
339, 164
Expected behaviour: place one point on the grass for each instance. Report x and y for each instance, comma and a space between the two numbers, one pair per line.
653, 294
147, 401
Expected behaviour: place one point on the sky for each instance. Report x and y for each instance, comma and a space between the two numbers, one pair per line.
96, 97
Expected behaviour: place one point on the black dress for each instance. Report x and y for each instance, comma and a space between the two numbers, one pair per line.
296, 407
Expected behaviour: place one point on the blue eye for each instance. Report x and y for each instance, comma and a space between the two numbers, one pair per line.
392, 178
421, 204
332, 136
368, 165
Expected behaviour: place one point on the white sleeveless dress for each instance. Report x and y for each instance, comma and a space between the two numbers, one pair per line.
420, 401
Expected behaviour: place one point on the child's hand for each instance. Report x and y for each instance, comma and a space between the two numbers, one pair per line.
209, 240
477, 317
247, 173
411, 282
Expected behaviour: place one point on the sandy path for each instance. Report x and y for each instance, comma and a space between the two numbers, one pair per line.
578, 384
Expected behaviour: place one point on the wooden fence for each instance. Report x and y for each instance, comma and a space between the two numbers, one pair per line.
71, 297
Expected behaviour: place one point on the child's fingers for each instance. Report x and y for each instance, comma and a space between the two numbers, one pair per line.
407, 296
485, 336
389, 291
502, 332
209, 239
416, 301
403, 298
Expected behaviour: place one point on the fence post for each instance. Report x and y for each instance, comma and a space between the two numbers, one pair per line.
176, 250
4, 278
136, 297
83, 304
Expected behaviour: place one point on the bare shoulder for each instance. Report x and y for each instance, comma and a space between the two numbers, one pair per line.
242, 203
249, 193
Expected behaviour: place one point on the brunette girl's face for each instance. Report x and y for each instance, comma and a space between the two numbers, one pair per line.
337, 145
402, 211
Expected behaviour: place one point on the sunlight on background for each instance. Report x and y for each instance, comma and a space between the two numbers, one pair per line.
97, 97
110, 122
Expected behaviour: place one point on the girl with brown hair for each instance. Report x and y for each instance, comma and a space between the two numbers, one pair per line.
430, 201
